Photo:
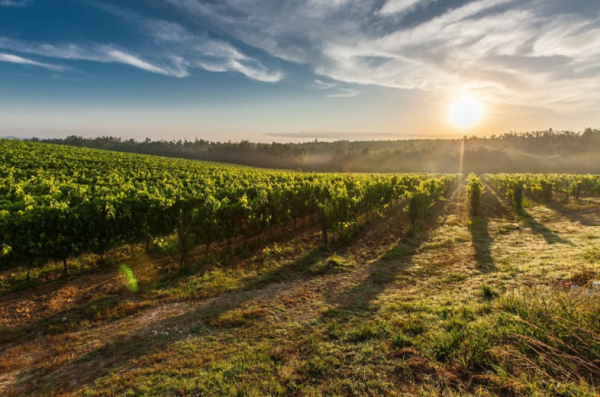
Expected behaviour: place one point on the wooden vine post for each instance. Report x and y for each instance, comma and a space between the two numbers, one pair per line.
412, 211
181, 237
324, 226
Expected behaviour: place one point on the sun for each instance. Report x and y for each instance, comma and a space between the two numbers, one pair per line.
466, 112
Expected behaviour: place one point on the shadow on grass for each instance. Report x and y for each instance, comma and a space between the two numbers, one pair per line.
482, 243
54, 323
581, 216
384, 272
539, 229
535, 226
491, 206
155, 336
89, 263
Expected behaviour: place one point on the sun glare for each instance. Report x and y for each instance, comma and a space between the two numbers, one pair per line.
466, 112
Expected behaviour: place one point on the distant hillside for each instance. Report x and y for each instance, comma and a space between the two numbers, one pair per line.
538, 151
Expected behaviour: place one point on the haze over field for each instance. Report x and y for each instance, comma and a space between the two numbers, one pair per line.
297, 70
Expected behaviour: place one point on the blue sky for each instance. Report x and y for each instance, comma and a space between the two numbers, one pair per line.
268, 70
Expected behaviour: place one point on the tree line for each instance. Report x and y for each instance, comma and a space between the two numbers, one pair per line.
544, 151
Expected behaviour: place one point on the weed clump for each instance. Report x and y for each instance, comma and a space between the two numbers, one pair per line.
487, 291
401, 340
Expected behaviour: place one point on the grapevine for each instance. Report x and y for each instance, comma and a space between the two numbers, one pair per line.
58, 202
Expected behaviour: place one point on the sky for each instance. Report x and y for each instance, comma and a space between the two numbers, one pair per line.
295, 70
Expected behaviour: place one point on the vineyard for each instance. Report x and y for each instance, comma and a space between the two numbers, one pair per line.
157, 276
57, 202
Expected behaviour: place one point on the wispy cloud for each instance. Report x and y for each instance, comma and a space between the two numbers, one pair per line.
178, 70
520, 52
324, 85
24, 61
174, 51
542, 52
334, 90
94, 53
401, 6
344, 93
196, 50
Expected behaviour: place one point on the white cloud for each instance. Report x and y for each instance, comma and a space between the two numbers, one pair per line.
542, 52
256, 72
196, 50
400, 6
545, 52
24, 61
128, 59
207, 53
94, 53
323, 85
171, 64
334, 91
176, 50
344, 93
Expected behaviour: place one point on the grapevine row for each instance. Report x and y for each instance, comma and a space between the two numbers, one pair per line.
542, 188
59, 202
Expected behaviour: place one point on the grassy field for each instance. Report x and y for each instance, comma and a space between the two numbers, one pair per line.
460, 307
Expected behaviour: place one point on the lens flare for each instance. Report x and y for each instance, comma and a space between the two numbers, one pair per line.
462, 156
128, 278
466, 112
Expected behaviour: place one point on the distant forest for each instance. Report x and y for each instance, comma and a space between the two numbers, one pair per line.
538, 151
